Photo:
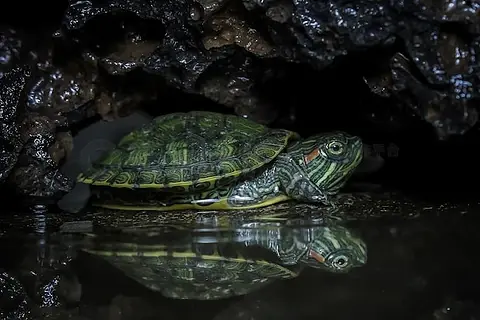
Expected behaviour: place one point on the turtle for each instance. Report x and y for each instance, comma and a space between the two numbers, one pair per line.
212, 161
207, 266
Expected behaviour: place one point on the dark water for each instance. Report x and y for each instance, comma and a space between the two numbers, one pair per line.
415, 267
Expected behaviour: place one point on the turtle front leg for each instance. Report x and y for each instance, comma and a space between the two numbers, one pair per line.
279, 239
255, 190
290, 248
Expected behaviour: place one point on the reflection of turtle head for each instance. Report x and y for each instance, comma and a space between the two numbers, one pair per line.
335, 249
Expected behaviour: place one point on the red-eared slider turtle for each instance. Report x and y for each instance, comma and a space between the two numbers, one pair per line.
202, 268
212, 161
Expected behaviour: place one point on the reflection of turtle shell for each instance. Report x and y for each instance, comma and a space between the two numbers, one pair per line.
202, 271
185, 152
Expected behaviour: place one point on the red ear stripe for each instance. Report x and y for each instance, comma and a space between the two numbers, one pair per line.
316, 256
311, 156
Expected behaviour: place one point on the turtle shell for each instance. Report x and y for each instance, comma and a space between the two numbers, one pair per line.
192, 151
198, 271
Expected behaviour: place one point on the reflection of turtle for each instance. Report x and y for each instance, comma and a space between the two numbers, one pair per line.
210, 161
257, 254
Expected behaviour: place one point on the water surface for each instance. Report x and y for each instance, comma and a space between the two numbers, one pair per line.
414, 266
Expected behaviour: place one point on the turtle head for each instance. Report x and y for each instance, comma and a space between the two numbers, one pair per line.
335, 249
324, 163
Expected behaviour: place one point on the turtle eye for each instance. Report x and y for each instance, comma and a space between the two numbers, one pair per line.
340, 262
335, 148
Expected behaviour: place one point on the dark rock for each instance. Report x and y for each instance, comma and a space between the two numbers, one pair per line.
203, 36
45, 269
37, 172
37, 114
123, 46
63, 93
180, 58
34, 181
14, 302
195, 63
11, 48
450, 65
240, 86
319, 32
12, 85
181, 62
434, 105
129, 55
447, 11
230, 26
14, 50
55, 98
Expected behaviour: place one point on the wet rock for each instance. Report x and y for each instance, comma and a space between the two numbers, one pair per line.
56, 291
227, 28
14, 50
182, 61
238, 83
204, 9
36, 173
12, 85
35, 182
436, 79
11, 47
122, 86
63, 93
461, 12
307, 31
115, 105
448, 115
451, 63
129, 54
203, 35
122, 46
14, 302
37, 137
57, 97
181, 57
45, 271
240, 88
317, 32
62, 147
